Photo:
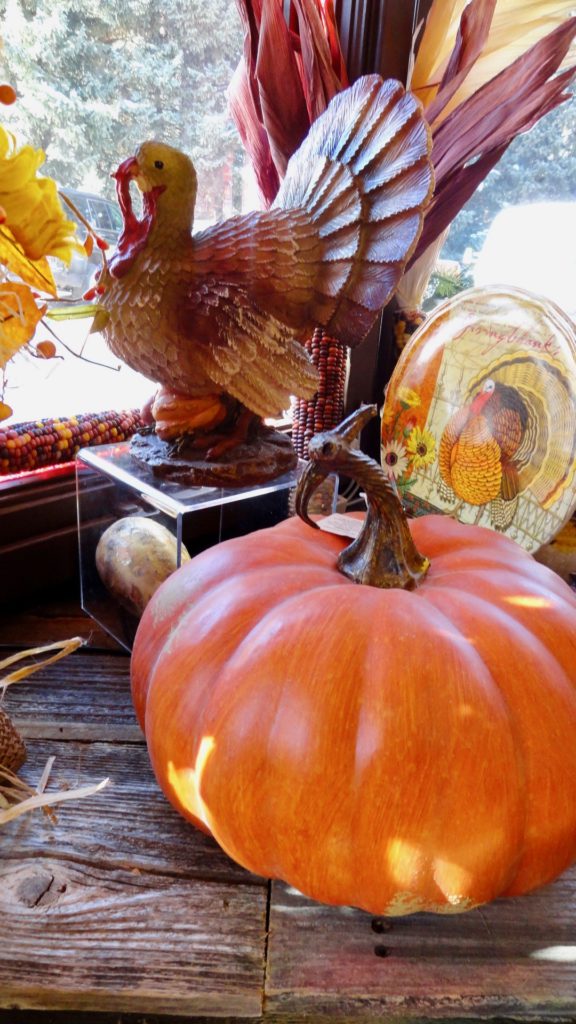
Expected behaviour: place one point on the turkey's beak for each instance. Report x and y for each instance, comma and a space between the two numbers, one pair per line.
128, 169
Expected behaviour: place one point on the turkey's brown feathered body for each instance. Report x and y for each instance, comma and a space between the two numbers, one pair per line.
224, 311
168, 312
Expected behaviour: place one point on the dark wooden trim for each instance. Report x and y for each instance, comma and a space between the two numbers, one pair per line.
376, 36
38, 537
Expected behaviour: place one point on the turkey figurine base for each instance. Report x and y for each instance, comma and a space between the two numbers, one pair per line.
265, 455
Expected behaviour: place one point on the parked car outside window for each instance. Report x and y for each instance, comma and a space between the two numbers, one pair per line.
73, 280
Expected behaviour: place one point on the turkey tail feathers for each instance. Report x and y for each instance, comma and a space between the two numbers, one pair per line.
364, 176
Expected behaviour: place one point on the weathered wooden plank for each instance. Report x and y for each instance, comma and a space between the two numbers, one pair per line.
130, 825
84, 937
89, 1017
45, 622
84, 696
513, 958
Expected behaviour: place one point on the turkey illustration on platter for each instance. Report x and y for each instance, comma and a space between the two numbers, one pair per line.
510, 436
479, 420
218, 318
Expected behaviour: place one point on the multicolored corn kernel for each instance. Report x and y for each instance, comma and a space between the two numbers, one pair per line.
26, 446
325, 410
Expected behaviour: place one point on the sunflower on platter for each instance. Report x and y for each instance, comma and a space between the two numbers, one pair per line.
421, 446
408, 448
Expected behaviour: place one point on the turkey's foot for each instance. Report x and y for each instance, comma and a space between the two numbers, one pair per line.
229, 446
452, 513
247, 423
180, 416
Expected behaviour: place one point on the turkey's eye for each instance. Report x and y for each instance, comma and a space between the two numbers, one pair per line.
159, 164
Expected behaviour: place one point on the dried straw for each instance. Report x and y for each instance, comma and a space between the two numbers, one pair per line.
21, 798
16, 796
62, 647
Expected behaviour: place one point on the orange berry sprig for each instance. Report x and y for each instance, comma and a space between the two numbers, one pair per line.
46, 349
7, 97
7, 94
92, 237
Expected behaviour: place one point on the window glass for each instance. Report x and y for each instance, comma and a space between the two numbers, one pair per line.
519, 228
94, 80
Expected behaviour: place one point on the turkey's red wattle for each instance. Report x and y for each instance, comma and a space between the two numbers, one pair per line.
135, 232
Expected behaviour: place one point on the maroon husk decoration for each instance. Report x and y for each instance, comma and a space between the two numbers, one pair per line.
477, 132
319, 79
284, 111
457, 188
289, 74
470, 39
253, 133
336, 55
502, 107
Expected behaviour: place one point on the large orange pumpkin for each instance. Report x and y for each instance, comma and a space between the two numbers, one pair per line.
397, 750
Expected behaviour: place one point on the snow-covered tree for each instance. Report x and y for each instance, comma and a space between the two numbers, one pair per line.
94, 79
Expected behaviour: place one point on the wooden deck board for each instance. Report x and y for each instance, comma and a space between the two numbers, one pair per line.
128, 825
83, 937
84, 697
118, 904
513, 958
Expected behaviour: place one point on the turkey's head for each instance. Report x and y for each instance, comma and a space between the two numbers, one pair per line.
167, 179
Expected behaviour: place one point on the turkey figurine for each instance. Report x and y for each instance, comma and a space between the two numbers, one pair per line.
218, 318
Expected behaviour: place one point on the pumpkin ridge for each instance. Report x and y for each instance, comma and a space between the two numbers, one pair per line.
233, 668
425, 593
157, 683
534, 589
144, 659
445, 534
559, 687
520, 756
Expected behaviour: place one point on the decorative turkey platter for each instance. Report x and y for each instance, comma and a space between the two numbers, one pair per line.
479, 420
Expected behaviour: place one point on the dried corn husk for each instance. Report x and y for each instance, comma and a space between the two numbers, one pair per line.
286, 78
475, 116
16, 796
516, 25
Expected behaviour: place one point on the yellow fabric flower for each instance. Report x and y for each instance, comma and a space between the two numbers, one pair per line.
31, 204
19, 316
422, 447
36, 273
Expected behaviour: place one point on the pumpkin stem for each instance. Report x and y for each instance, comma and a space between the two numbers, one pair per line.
384, 554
